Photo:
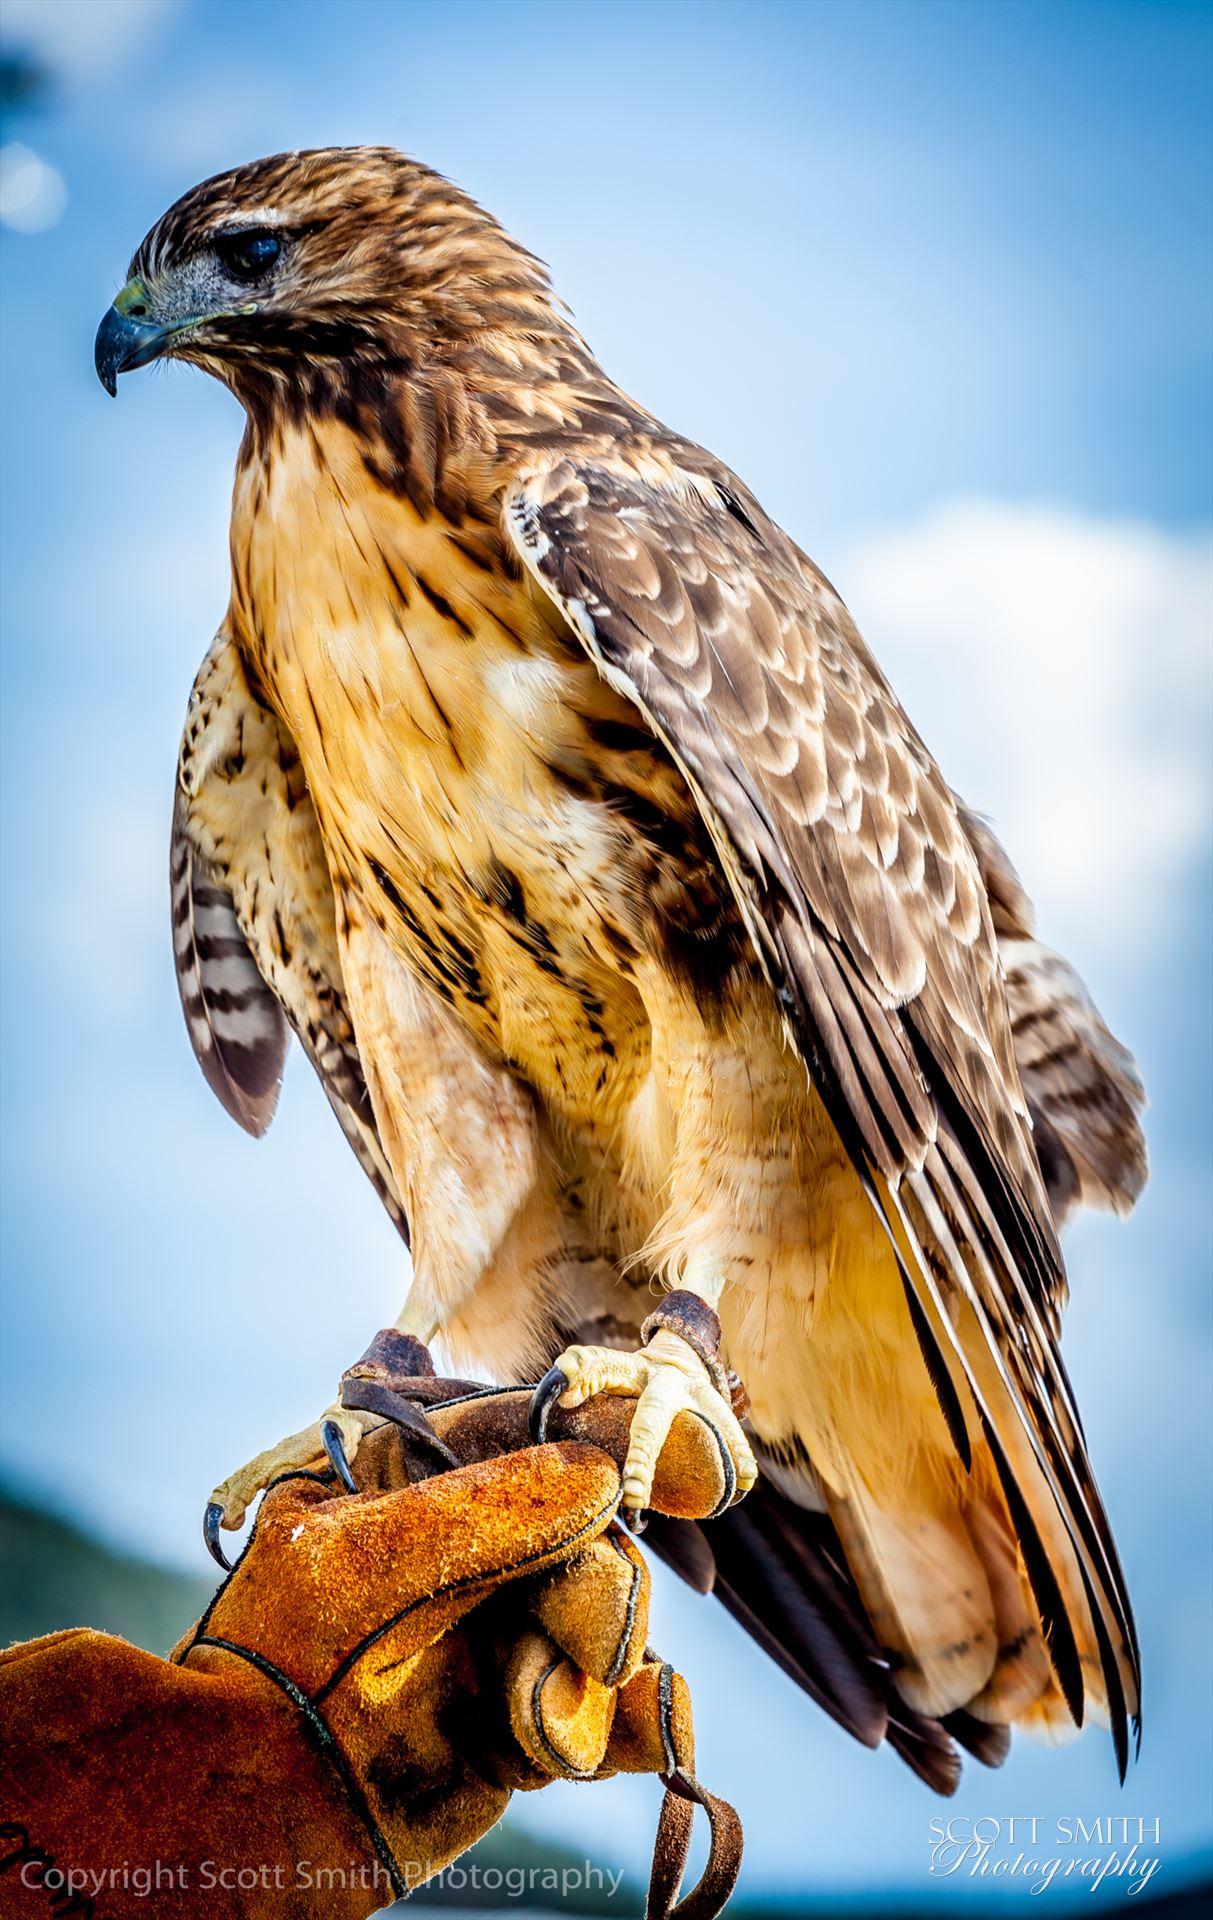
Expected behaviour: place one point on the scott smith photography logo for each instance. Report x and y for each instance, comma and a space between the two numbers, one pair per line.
1027, 1848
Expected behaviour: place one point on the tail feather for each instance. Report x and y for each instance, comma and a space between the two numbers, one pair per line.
989, 1744
1021, 1672
944, 1584
925, 1591
1026, 1413
781, 1572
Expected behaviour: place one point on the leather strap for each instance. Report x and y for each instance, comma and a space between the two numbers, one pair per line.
682, 1312
673, 1839
672, 1846
691, 1318
374, 1386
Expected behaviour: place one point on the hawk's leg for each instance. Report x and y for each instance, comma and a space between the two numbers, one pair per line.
477, 1177
678, 1370
712, 1134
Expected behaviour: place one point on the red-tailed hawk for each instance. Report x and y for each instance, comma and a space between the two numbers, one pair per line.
547, 791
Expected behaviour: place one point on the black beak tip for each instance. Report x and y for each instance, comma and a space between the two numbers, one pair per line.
123, 343
110, 349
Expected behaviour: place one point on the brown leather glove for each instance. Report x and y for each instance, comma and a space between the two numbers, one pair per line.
372, 1681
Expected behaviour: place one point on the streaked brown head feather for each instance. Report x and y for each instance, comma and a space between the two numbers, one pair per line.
381, 259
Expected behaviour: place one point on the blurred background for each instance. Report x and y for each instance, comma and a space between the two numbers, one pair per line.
936, 279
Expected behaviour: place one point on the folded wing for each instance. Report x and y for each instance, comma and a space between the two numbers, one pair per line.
864, 900
254, 934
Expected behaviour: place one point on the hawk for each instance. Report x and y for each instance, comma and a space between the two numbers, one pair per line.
546, 791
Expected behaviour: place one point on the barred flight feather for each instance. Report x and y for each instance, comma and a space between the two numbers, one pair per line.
234, 1022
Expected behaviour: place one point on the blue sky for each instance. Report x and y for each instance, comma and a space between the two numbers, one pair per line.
936, 279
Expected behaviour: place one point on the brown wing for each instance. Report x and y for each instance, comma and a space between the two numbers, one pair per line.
1083, 1089
254, 934
862, 894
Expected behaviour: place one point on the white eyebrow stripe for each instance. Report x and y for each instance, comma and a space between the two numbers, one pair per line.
248, 217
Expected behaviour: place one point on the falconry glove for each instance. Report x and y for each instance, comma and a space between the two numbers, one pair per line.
375, 1677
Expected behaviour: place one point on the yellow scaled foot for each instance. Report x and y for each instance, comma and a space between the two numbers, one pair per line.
667, 1378
236, 1494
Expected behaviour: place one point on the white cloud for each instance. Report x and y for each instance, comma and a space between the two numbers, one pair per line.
1059, 668
82, 38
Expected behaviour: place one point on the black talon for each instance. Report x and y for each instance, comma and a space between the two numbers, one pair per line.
334, 1447
634, 1519
544, 1398
210, 1533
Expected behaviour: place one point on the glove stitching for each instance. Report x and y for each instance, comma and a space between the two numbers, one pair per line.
555, 1549
483, 1393
625, 1639
727, 1468
327, 1744
665, 1715
562, 1764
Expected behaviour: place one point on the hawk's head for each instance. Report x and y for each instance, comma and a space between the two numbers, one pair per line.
312, 258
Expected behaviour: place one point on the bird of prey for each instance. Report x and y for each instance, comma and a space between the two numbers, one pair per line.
547, 791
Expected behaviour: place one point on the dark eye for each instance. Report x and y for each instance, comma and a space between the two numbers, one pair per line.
248, 255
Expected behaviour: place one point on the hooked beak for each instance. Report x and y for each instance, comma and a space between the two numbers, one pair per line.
124, 343
128, 337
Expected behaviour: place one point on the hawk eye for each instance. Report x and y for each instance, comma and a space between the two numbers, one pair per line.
249, 255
